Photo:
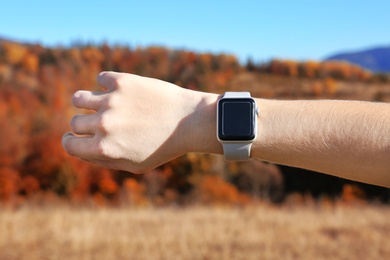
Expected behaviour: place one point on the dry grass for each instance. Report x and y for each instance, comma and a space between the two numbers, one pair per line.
261, 232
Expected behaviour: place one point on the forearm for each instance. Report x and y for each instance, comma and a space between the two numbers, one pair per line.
344, 138
140, 123
349, 139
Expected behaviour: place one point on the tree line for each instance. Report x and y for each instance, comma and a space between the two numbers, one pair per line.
36, 85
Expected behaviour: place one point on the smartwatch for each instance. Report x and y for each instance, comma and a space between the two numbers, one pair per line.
236, 124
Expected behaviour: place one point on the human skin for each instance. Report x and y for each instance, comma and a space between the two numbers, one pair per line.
140, 123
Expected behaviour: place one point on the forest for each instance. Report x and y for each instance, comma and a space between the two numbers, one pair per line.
36, 86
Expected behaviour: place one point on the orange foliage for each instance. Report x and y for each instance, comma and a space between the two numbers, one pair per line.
317, 89
31, 63
36, 86
352, 193
214, 190
13, 52
106, 184
29, 185
13, 134
330, 86
9, 180
311, 69
134, 192
99, 199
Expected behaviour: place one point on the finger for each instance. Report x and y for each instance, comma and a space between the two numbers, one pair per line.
109, 79
88, 100
84, 124
82, 147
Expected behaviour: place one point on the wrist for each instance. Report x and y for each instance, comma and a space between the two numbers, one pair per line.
201, 123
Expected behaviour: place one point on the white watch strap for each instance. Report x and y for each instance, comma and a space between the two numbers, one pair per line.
237, 151
237, 95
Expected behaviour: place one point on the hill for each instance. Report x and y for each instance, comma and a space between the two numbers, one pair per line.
36, 87
376, 59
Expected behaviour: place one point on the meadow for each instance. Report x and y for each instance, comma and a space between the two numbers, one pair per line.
196, 232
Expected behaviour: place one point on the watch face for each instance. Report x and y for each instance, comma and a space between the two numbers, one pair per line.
236, 119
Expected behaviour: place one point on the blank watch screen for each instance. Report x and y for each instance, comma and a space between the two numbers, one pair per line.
236, 119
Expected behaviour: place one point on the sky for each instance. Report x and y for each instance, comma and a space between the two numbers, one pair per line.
260, 30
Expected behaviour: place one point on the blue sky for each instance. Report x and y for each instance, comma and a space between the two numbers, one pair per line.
261, 30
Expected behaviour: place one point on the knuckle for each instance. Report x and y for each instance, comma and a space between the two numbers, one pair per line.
102, 150
109, 101
120, 82
103, 124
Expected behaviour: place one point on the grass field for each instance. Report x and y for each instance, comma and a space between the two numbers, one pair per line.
255, 232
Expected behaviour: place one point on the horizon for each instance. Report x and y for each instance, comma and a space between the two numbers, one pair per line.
76, 43
258, 31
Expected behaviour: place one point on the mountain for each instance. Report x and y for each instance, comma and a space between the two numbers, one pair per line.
375, 59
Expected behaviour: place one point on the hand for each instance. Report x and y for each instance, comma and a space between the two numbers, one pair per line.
139, 123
